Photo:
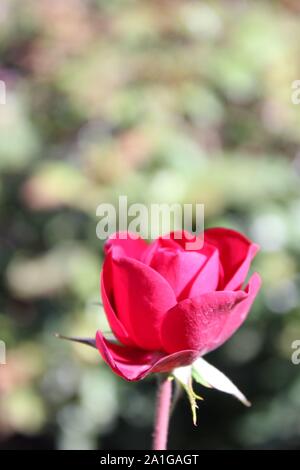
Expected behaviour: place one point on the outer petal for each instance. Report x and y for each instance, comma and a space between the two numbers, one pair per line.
107, 296
208, 276
142, 296
126, 244
135, 364
198, 323
236, 253
240, 312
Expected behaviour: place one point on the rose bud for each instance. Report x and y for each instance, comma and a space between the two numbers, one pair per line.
168, 305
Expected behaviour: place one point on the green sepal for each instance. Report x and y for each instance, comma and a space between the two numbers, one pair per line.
184, 376
209, 376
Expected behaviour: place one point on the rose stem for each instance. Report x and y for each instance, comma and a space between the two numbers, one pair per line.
162, 414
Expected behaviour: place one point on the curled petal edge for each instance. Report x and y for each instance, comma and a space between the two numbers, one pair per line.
134, 364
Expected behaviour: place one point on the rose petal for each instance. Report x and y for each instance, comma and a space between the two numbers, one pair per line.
208, 276
157, 245
240, 311
142, 296
107, 296
186, 240
188, 272
178, 240
197, 323
135, 364
179, 268
126, 244
236, 253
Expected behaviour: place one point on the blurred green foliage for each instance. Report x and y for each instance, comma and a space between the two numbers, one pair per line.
165, 101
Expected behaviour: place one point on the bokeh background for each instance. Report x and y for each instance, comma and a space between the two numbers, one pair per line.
166, 101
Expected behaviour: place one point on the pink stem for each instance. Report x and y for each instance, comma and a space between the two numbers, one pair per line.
162, 416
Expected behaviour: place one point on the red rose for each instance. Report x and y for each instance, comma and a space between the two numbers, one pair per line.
166, 305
